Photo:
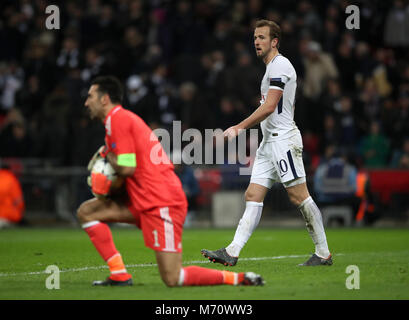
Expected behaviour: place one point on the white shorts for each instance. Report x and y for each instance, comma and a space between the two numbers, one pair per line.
279, 161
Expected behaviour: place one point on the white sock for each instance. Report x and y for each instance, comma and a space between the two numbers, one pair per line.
315, 227
249, 221
89, 224
181, 277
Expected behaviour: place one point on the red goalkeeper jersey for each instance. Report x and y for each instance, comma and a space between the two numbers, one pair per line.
154, 182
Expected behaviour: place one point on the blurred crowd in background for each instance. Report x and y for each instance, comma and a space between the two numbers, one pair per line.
194, 61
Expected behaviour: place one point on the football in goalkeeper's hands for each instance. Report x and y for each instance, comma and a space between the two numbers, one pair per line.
104, 179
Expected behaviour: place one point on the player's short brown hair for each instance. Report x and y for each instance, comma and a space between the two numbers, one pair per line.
275, 30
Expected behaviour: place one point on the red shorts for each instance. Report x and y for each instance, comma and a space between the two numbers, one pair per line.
162, 227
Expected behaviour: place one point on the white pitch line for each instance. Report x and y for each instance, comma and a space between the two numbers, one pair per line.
144, 265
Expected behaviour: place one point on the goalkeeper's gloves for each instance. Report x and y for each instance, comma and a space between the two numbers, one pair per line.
100, 184
98, 189
101, 153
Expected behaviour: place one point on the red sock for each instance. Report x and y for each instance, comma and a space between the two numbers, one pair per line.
197, 276
101, 237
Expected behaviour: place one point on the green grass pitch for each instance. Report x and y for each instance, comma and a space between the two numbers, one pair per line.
382, 256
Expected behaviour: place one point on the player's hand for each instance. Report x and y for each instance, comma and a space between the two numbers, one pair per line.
101, 153
100, 184
231, 133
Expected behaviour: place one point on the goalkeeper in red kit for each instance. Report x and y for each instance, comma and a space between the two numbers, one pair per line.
155, 200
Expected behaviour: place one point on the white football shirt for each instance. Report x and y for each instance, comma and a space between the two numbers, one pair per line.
280, 74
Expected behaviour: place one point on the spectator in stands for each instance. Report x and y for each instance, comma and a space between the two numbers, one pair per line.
346, 120
401, 127
69, 56
205, 43
13, 115
400, 157
38, 61
331, 97
227, 113
375, 147
158, 80
380, 73
131, 51
215, 66
335, 181
136, 15
397, 25
94, 64
330, 133
240, 77
364, 63
106, 23
331, 36
388, 118
53, 128
30, 97
11, 80
189, 103
85, 138
346, 61
319, 67
369, 101
141, 101
14, 139
308, 17
16, 142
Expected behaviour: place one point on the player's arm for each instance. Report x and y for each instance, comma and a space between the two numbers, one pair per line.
123, 164
262, 112
122, 151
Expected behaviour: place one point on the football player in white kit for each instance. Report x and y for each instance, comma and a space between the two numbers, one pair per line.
279, 156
